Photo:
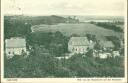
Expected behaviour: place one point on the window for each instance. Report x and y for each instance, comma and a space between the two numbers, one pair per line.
9, 52
76, 49
22, 50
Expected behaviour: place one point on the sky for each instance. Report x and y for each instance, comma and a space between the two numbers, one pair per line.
64, 7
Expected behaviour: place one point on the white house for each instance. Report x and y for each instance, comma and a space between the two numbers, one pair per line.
104, 55
79, 45
116, 53
15, 46
101, 55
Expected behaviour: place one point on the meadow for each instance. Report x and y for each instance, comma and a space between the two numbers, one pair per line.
80, 29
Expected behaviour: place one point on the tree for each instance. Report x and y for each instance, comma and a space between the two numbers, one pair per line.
91, 37
97, 46
15, 28
115, 40
90, 53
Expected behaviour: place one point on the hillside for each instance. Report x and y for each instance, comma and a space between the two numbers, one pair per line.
35, 20
55, 23
80, 29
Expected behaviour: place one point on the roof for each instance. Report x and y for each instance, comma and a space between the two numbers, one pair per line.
15, 43
79, 41
106, 44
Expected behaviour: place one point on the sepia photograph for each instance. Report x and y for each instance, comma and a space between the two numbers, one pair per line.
63, 39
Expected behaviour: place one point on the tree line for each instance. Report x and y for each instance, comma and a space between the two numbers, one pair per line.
109, 26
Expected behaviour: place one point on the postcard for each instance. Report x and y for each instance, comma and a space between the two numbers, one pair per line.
63, 41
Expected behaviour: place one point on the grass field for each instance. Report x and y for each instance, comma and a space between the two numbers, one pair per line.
81, 29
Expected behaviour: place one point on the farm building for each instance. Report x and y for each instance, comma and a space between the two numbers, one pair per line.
15, 46
106, 44
79, 45
116, 53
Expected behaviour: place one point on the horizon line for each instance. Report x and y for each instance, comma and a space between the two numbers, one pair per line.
60, 15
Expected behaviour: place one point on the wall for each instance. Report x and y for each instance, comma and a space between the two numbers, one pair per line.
77, 49
16, 51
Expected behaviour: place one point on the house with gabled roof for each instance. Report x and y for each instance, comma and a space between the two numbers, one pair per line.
107, 45
79, 45
15, 46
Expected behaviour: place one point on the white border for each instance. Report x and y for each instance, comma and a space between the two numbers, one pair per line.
63, 80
